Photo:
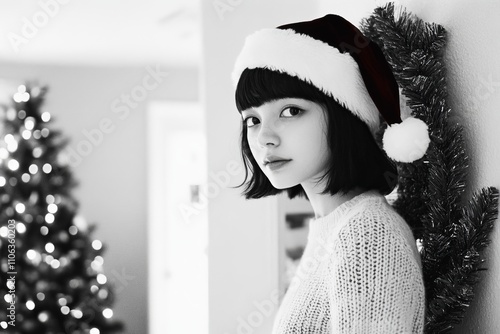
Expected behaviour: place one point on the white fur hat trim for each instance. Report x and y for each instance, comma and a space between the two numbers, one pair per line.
336, 74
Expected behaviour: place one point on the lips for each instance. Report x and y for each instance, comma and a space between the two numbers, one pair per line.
276, 164
273, 158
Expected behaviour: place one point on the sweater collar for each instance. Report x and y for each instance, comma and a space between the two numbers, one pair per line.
327, 225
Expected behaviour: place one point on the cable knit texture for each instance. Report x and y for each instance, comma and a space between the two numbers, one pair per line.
360, 273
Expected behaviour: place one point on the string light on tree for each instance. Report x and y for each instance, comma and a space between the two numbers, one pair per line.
45, 116
40, 296
26, 134
30, 305
20, 228
44, 230
21, 114
4, 154
29, 123
4, 231
101, 279
26, 177
108, 313
47, 168
13, 165
22, 95
11, 142
20, 207
52, 208
97, 263
97, 244
37, 152
49, 247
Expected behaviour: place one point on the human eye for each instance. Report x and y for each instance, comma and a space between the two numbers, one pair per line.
250, 121
291, 111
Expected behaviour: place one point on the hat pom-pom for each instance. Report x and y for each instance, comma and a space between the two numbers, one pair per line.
406, 141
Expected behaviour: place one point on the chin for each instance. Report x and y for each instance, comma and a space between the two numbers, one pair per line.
282, 184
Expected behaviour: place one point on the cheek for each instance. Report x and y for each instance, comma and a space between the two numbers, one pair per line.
313, 144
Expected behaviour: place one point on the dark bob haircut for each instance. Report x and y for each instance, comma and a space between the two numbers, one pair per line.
358, 161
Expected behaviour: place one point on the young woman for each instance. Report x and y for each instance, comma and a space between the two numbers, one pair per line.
311, 96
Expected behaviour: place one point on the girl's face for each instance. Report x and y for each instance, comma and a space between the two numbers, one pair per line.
291, 132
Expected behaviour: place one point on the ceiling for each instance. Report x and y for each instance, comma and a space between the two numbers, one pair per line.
97, 32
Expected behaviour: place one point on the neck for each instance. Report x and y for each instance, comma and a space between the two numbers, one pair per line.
323, 204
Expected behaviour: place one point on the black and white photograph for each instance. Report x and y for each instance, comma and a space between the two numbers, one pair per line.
249, 167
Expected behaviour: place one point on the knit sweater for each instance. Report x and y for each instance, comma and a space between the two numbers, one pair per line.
360, 273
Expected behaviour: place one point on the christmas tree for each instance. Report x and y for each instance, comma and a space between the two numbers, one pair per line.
451, 231
51, 268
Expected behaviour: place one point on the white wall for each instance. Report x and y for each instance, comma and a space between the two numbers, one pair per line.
113, 179
351, 10
474, 87
243, 277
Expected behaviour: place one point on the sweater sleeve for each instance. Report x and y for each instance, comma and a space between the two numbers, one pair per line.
375, 281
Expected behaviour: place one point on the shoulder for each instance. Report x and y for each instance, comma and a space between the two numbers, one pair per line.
375, 277
375, 228
374, 213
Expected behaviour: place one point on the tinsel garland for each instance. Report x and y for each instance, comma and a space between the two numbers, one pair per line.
452, 231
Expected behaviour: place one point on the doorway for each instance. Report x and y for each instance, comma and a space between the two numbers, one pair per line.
177, 220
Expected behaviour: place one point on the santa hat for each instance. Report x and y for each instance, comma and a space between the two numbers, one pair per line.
334, 56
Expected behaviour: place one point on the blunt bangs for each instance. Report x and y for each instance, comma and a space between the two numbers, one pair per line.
258, 86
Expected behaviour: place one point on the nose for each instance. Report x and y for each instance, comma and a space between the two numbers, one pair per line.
268, 135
